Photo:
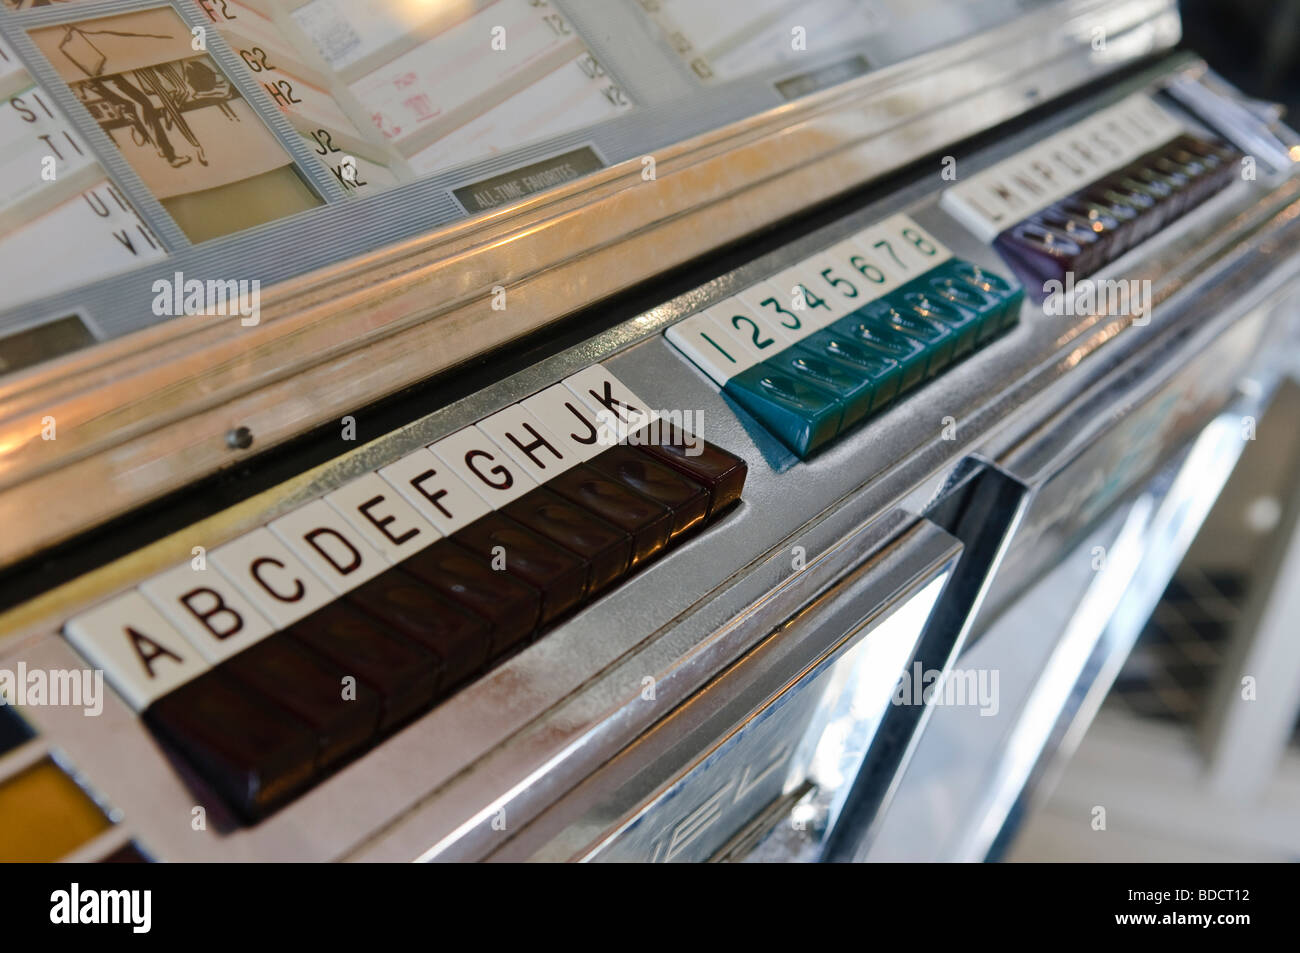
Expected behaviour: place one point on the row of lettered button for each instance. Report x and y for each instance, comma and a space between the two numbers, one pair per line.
410, 636
1091, 227
1053, 168
226, 599
422, 609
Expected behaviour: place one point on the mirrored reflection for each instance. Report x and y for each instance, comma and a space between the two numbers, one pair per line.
726, 39
443, 83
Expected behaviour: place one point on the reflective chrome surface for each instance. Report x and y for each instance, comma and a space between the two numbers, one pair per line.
816, 730
1057, 654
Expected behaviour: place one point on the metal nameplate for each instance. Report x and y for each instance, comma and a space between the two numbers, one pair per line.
527, 180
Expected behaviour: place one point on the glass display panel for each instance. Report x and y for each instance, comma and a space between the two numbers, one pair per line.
194, 141
132, 140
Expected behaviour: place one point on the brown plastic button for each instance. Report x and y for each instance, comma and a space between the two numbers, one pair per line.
460, 638
605, 548
510, 606
252, 754
688, 500
648, 521
405, 674
557, 574
721, 472
312, 688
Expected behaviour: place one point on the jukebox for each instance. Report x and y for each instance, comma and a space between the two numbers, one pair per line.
553, 430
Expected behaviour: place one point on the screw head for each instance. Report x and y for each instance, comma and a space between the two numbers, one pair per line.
240, 438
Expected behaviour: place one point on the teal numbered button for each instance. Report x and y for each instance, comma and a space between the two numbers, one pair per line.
1008, 297
884, 373
958, 280
963, 321
938, 340
908, 352
802, 415
853, 390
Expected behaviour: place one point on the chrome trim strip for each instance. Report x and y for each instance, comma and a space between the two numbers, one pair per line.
1103, 629
868, 796
796, 658
794, 651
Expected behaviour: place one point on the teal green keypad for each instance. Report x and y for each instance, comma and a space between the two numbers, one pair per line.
799, 413
821, 347
881, 373
853, 391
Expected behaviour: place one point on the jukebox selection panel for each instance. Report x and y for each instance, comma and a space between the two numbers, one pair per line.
56, 194
414, 579
378, 94
1080, 199
818, 348
300, 645
828, 343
